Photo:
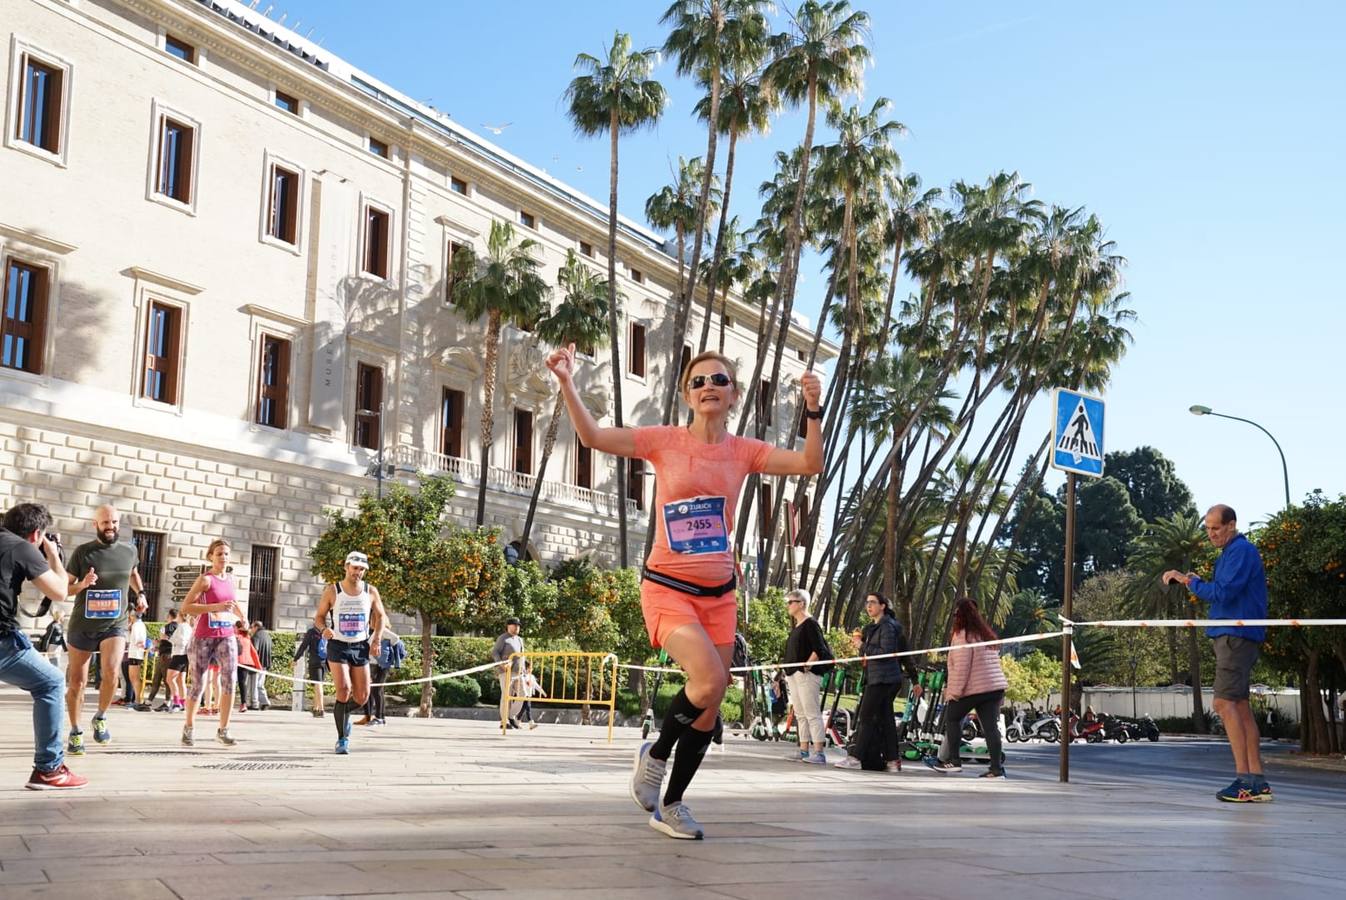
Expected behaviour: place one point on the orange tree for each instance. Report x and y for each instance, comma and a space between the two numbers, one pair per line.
1304, 551
421, 564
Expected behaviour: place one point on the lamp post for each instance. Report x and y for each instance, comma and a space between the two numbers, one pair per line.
1199, 410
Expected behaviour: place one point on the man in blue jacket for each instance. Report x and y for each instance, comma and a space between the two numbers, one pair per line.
1237, 590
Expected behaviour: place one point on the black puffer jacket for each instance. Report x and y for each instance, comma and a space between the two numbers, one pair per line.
886, 636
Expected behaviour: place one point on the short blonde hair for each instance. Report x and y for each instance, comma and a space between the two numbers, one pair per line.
720, 358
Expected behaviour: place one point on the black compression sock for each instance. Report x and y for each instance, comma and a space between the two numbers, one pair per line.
340, 710
691, 750
680, 716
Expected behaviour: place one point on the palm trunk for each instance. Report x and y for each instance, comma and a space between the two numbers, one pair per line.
614, 337
688, 297
547, 446
717, 255
1199, 723
489, 378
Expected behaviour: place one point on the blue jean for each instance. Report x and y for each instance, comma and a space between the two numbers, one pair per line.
25, 668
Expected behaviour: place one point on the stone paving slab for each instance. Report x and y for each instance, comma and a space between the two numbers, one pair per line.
450, 808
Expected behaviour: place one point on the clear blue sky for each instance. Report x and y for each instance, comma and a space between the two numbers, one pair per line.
1210, 137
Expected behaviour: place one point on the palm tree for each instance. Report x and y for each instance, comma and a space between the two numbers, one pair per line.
615, 95
1178, 543
821, 57
579, 319
675, 206
707, 36
504, 286
745, 109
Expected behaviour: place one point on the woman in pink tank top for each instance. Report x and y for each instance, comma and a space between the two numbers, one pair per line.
213, 602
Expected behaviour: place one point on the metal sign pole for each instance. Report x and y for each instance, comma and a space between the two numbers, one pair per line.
1068, 613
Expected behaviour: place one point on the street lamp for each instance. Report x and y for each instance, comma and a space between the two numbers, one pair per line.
1199, 410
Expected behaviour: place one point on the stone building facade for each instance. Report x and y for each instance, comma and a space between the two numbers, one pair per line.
225, 256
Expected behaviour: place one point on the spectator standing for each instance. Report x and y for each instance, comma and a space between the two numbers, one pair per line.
247, 656
882, 638
137, 642
388, 659
509, 672
806, 644
531, 688
261, 642
976, 682
163, 655
1237, 590
177, 662
312, 648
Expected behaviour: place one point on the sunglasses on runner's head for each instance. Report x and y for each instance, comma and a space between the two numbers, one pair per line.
719, 379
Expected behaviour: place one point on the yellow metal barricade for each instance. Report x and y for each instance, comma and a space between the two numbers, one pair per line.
561, 677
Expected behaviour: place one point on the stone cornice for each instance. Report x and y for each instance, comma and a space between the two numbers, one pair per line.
168, 281
32, 238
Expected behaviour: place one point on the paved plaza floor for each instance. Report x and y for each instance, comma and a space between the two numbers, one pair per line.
450, 808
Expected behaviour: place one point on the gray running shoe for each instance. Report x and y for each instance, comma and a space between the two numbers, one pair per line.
222, 735
647, 778
187, 736
676, 821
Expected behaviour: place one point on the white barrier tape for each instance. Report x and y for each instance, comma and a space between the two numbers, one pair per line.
292, 680
1023, 639
1204, 623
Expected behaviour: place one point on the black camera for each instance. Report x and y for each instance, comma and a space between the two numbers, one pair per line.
55, 540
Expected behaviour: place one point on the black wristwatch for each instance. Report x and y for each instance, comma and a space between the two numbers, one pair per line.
814, 413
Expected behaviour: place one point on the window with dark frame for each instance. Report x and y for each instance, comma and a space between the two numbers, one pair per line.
586, 249
635, 352
523, 441
40, 100
378, 147
288, 103
262, 580
368, 405
584, 465
282, 221
177, 144
273, 382
449, 278
635, 482
24, 324
375, 260
150, 548
457, 185
163, 343
180, 48
527, 219
728, 322
765, 403
802, 354
451, 423
637, 276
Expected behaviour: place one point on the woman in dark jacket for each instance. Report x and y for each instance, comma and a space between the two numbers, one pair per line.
883, 682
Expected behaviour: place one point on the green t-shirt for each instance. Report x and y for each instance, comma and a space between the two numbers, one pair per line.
103, 606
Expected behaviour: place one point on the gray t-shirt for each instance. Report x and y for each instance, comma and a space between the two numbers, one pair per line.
103, 606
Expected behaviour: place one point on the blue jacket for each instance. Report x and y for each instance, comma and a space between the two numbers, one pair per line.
1237, 591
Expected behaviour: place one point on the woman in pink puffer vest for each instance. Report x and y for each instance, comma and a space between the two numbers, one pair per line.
976, 681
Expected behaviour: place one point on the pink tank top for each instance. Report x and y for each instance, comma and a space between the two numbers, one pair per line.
217, 624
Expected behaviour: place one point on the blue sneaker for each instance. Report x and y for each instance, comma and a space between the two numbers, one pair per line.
944, 768
343, 746
100, 731
1262, 793
1239, 791
76, 745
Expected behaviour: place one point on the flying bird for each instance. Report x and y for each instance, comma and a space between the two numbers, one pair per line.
496, 129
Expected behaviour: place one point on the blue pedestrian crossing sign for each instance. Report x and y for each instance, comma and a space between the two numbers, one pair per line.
1077, 433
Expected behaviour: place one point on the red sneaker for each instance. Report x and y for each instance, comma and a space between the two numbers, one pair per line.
59, 779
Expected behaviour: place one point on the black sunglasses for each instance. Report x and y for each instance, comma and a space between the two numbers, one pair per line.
719, 379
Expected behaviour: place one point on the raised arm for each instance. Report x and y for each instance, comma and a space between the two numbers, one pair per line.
617, 441
809, 461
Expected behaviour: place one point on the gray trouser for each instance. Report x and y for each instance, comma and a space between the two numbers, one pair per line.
805, 697
509, 710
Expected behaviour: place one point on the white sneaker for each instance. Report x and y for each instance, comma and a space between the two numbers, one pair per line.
676, 821
847, 762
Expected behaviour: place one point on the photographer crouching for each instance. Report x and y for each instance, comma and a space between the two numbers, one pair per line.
28, 552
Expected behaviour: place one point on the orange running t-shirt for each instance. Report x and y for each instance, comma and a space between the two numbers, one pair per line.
696, 493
